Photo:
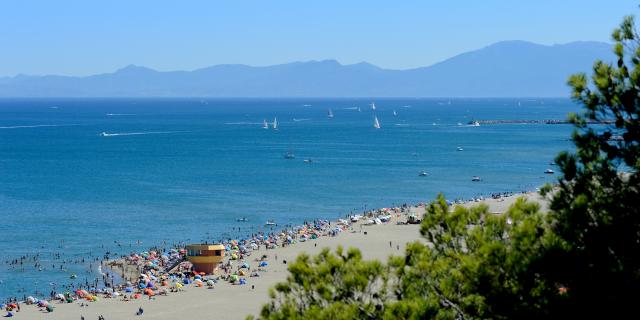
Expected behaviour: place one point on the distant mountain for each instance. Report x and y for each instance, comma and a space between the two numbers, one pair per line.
503, 69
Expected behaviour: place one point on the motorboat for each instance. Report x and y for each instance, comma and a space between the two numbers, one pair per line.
423, 174
460, 149
270, 223
474, 123
475, 178
242, 219
307, 160
289, 155
549, 171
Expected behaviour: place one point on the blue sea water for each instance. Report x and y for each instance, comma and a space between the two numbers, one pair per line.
186, 169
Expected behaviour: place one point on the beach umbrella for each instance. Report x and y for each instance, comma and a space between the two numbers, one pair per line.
30, 300
60, 296
263, 264
178, 285
42, 303
49, 308
128, 289
243, 281
210, 283
245, 265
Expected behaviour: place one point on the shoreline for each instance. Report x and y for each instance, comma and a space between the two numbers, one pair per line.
376, 241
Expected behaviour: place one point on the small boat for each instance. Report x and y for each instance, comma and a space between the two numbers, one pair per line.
242, 219
423, 174
552, 163
376, 123
307, 160
373, 106
330, 114
73, 276
270, 223
275, 123
460, 149
475, 178
474, 123
265, 125
549, 171
359, 109
395, 114
289, 155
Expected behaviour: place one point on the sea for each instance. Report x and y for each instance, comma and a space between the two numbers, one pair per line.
85, 178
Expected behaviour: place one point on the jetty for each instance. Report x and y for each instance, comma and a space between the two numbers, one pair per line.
542, 121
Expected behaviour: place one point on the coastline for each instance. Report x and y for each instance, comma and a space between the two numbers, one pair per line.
377, 241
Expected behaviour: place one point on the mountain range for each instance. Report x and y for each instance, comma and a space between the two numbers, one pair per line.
503, 69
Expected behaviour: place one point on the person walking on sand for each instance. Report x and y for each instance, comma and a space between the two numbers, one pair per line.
140, 311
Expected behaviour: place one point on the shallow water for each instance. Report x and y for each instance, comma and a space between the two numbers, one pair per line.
186, 169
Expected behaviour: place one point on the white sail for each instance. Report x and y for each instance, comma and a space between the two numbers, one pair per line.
265, 125
373, 106
330, 114
359, 109
395, 113
275, 123
376, 123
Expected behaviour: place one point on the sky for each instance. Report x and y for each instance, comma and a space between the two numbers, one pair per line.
83, 37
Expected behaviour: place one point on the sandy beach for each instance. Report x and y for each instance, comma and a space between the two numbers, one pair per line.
227, 301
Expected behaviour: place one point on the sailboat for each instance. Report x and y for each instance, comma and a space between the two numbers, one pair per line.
265, 125
376, 123
373, 106
275, 123
359, 109
330, 114
395, 113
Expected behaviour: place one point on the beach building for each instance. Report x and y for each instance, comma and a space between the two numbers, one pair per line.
205, 257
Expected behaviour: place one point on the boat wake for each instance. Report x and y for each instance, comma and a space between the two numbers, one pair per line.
120, 114
39, 126
298, 120
242, 123
105, 134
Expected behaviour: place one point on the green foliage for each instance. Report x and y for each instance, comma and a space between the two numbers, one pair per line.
476, 264
330, 286
596, 207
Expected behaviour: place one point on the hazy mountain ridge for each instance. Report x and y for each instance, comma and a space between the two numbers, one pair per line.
503, 69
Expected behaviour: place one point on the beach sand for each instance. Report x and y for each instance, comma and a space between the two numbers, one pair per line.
228, 301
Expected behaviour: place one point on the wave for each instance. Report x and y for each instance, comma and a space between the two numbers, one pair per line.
402, 124
105, 134
39, 126
298, 120
351, 108
120, 114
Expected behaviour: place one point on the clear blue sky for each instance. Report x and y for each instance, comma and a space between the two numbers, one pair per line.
85, 37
